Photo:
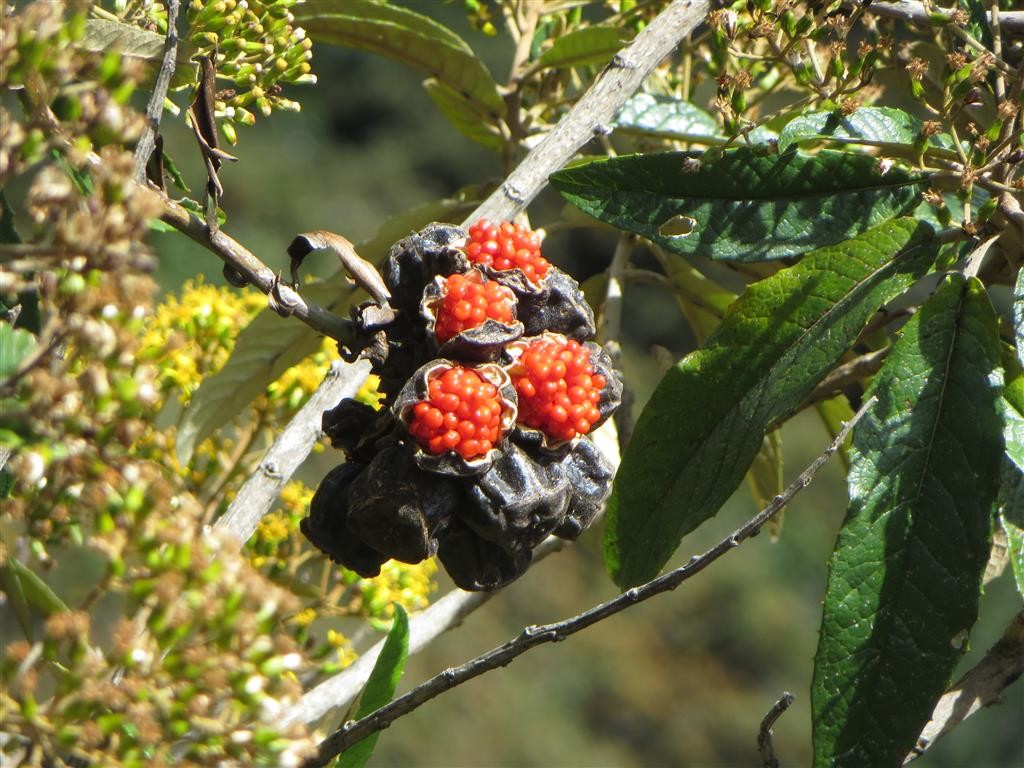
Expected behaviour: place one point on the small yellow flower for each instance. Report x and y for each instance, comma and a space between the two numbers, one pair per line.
304, 617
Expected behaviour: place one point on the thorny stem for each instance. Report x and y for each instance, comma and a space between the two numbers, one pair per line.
354, 731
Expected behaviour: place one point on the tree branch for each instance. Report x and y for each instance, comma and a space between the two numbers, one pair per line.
764, 734
290, 449
982, 686
283, 299
594, 111
914, 12
155, 108
354, 731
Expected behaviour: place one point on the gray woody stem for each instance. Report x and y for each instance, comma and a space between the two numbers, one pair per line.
284, 300
593, 113
914, 11
354, 731
289, 450
155, 108
982, 686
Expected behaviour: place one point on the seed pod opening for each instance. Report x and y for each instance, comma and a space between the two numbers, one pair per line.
560, 385
326, 527
508, 249
413, 261
456, 416
469, 317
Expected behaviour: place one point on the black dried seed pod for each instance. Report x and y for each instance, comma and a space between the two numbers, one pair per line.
482, 344
326, 527
355, 428
416, 390
590, 476
476, 564
518, 502
396, 508
413, 261
611, 395
557, 307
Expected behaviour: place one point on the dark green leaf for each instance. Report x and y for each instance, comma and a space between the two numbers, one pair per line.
15, 345
589, 45
978, 22
884, 124
406, 36
465, 115
743, 204
11, 585
666, 117
8, 234
705, 421
905, 576
380, 688
1010, 500
270, 344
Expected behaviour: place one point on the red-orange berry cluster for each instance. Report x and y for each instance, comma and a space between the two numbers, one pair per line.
558, 389
507, 246
462, 414
469, 302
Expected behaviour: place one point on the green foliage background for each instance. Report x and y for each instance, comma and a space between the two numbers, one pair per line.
681, 680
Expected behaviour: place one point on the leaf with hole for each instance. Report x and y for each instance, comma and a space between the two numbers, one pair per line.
706, 420
406, 36
747, 204
380, 688
905, 574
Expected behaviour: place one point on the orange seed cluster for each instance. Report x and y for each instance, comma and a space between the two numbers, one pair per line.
558, 390
469, 302
462, 414
507, 246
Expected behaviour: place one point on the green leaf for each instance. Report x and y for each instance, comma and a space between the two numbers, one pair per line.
764, 478
380, 688
37, 592
978, 23
15, 346
905, 575
464, 114
11, 585
666, 117
884, 124
102, 35
589, 45
1010, 500
705, 422
741, 204
269, 345
405, 36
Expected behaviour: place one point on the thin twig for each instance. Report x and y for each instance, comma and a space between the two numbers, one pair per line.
982, 686
284, 300
354, 731
764, 734
595, 109
846, 374
291, 448
155, 108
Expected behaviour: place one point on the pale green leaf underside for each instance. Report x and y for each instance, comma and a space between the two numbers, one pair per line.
881, 124
667, 117
905, 576
705, 421
745, 204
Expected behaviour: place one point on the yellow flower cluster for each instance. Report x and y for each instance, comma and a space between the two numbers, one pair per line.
410, 585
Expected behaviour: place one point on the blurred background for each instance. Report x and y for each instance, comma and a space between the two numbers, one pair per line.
682, 680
